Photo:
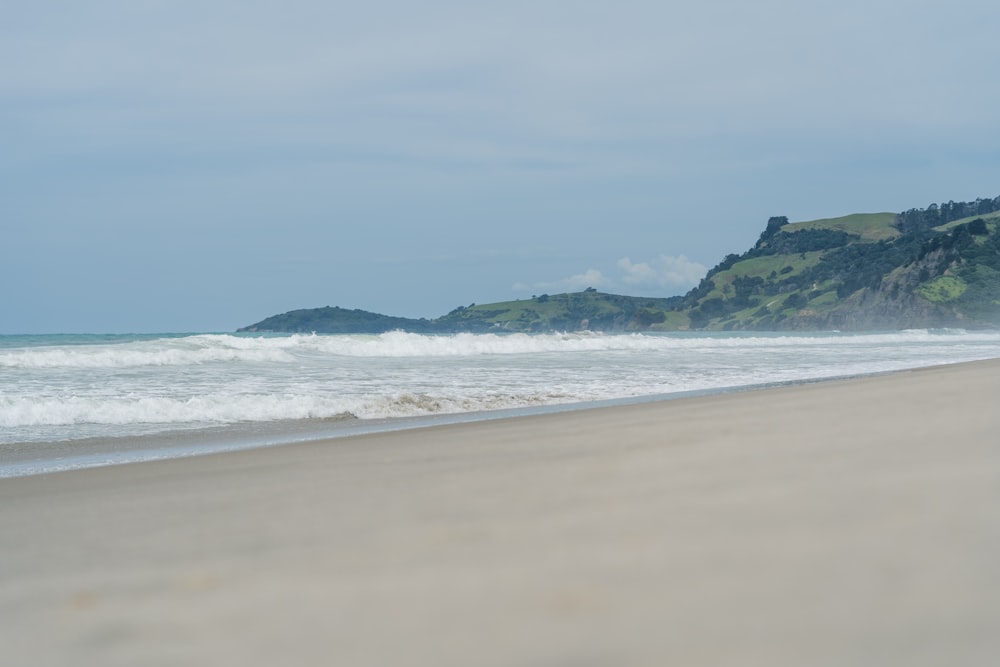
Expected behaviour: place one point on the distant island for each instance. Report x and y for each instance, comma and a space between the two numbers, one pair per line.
923, 268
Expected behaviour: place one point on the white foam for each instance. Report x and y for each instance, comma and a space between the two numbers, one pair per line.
229, 408
224, 348
150, 410
73, 391
191, 350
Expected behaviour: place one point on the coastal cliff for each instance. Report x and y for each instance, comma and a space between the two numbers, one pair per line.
922, 268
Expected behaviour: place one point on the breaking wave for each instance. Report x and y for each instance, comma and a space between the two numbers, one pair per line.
67, 388
227, 409
208, 349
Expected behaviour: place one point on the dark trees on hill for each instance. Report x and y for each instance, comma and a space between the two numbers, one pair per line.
978, 227
922, 219
795, 300
806, 240
774, 225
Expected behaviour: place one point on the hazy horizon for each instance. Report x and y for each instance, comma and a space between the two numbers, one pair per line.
187, 167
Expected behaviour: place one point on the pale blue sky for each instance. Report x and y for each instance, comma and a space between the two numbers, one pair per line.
198, 166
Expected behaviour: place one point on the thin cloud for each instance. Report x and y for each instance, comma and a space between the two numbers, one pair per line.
579, 281
664, 271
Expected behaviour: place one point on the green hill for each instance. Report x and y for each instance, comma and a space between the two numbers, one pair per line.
589, 309
932, 267
336, 320
867, 226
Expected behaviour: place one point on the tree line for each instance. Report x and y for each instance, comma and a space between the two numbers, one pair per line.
922, 219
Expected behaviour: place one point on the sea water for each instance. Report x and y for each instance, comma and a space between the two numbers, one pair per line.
61, 394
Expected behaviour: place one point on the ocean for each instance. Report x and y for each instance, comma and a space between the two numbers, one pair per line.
70, 401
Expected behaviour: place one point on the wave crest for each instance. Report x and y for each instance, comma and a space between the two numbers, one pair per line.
233, 349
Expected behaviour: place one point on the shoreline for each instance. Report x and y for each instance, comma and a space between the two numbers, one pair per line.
25, 459
843, 522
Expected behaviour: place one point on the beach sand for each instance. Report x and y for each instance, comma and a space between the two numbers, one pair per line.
850, 522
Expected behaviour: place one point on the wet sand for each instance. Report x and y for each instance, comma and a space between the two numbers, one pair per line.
852, 522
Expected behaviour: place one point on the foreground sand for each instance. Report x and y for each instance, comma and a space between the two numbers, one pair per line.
842, 523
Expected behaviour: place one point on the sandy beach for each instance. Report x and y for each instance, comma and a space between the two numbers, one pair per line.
851, 522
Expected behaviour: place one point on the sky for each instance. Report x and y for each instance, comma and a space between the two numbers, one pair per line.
174, 166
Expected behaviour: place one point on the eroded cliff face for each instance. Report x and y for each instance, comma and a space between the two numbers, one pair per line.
874, 309
894, 304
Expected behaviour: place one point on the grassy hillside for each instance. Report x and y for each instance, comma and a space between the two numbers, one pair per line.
861, 271
868, 226
589, 309
962, 221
